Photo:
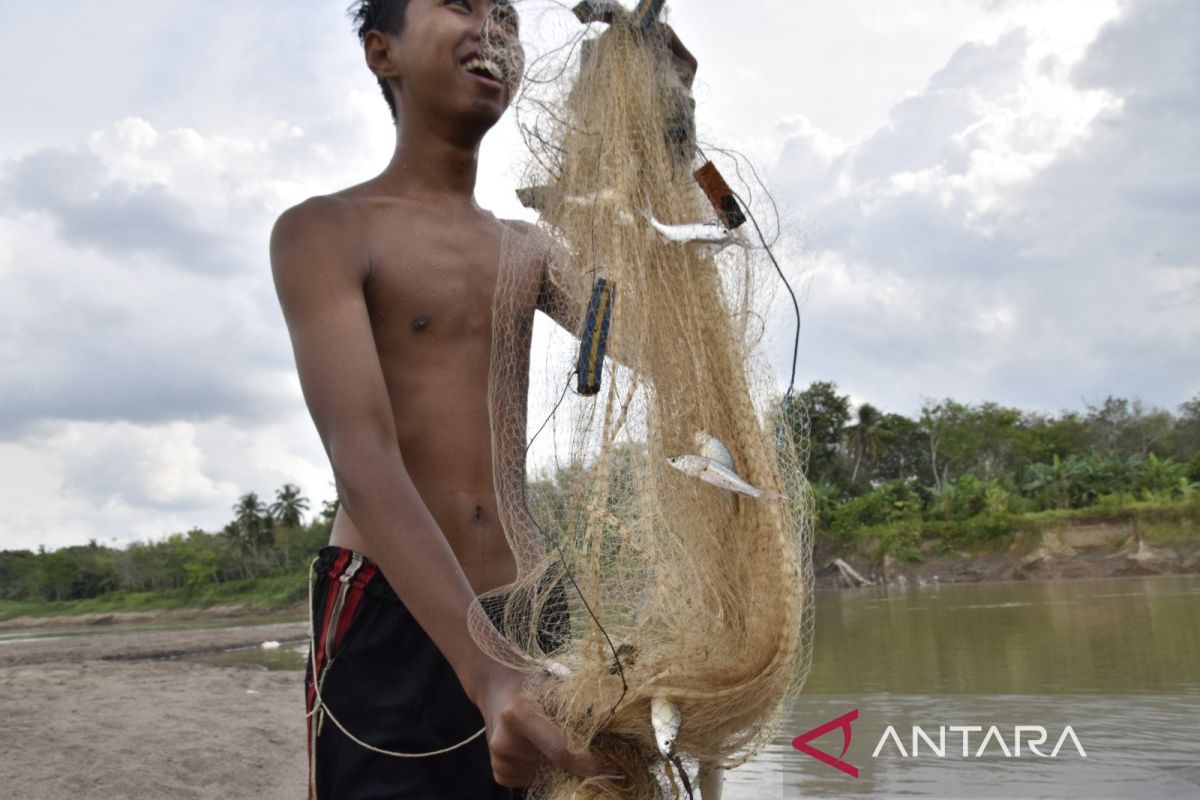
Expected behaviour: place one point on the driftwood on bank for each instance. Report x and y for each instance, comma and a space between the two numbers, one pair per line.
851, 575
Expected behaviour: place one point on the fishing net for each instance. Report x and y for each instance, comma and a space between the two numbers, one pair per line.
636, 580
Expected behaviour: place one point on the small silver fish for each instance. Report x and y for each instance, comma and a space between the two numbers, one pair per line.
710, 446
602, 196
666, 720
606, 197
717, 474
714, 236
557, 669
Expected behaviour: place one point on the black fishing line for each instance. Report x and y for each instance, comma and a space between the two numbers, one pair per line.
738, 159
557, 406
786, 283
562, 558
687, 784
791, 292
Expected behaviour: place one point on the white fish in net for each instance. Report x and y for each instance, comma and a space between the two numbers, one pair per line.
713, 236
602, 196
643, 547
557, 669
719, 475
712, 447
666, 719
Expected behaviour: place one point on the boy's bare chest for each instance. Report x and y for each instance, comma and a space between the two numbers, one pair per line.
434, 286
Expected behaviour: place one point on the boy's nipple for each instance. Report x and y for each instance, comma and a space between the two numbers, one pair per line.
421, 323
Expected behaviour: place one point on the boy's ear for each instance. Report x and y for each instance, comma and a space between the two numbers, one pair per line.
381, 56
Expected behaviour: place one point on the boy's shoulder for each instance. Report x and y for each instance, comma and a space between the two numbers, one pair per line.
335, 207
321, 231
339, 220
321, 216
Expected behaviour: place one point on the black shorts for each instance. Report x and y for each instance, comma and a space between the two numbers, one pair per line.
390, 686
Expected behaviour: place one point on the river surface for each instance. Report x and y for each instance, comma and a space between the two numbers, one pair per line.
1117, 660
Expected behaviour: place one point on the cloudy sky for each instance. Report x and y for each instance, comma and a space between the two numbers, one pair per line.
983, 199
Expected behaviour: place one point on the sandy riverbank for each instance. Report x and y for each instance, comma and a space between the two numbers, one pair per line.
125, 714
197, 617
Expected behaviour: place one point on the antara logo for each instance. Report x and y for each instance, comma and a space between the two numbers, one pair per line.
844, 722
1035, 736
938, 749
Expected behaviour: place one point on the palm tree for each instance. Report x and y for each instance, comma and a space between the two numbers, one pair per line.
250, 517
289, 506
249, 511
866, 439
288, 510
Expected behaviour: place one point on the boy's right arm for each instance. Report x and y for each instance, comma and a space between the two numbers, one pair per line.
320, 267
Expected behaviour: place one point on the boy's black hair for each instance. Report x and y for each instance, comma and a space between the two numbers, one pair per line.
385, 16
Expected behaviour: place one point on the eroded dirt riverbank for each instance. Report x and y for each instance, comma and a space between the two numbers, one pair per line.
1106, 550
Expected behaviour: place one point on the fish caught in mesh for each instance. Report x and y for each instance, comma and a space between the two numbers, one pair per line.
688, 620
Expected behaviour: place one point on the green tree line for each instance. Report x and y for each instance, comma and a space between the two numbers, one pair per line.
951, 471
262, 540
968, 470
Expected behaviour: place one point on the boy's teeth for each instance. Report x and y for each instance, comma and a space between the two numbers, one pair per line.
483, 65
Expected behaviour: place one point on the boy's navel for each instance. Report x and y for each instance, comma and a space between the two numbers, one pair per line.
479, 513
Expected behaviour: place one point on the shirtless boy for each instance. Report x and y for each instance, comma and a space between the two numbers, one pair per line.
387, 290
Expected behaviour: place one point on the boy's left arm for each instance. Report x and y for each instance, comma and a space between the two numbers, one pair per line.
565, 294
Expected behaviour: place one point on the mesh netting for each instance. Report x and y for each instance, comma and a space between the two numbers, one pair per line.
636, 580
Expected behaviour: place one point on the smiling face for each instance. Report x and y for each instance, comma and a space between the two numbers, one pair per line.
456, 65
